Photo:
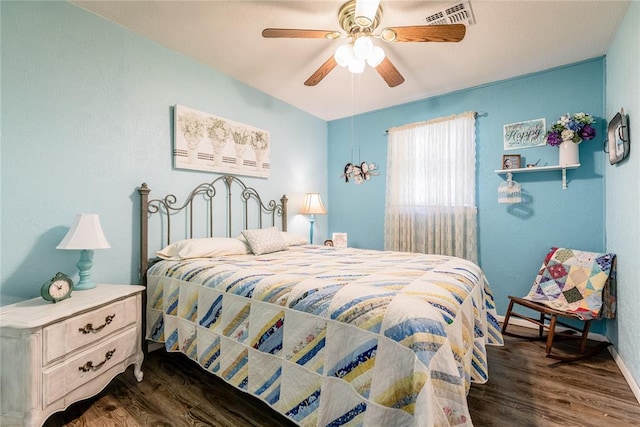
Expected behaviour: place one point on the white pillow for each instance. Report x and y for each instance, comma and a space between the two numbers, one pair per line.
265, 240
290, 239
294, 239
203, 248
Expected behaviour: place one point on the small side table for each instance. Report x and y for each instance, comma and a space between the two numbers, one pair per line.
52, 355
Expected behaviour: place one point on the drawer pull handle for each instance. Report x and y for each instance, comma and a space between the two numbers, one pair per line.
88, 328
89, 366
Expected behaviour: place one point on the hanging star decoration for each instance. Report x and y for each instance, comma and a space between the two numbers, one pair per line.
359, 173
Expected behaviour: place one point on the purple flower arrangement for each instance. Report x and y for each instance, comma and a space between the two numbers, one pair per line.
574, 128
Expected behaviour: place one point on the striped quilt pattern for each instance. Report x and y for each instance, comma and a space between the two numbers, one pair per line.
333, 336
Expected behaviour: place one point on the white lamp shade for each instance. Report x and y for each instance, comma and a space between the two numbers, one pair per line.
343, 55
362, 47
313, 205
375, 57
85, 233
356, 65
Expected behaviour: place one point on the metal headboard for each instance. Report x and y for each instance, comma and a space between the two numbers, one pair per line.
168, 206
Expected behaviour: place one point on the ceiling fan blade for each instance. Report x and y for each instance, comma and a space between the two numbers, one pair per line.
425, 33
321, 72
389, 73
299, 34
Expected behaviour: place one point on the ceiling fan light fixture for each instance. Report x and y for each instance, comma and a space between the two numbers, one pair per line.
363, 21
366, 11
362, 47
388, 35
356, 65
375, 56
343, 55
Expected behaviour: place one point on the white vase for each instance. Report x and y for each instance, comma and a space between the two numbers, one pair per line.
568, 153
192, 151
240, 149
259, 157
192, 156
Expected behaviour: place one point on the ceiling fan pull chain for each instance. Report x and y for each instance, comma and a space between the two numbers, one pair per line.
359, 139
352, 113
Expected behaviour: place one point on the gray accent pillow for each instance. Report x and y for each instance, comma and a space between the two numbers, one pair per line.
265, 240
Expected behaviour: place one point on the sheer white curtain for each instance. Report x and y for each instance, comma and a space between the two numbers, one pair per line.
431, 188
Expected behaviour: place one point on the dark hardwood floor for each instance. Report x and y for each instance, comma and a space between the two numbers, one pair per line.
524, 389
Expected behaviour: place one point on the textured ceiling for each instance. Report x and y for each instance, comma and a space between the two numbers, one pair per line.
509, 38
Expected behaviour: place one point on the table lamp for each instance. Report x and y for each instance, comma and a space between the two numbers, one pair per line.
312, 205
85, 235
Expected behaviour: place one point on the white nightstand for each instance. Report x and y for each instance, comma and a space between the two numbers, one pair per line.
52, 355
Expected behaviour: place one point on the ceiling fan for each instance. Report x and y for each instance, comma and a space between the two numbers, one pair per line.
359, 19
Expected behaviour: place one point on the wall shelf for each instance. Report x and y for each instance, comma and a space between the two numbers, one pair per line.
541, 169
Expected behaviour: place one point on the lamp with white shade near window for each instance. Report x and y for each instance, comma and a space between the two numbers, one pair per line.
85, 235
312, 205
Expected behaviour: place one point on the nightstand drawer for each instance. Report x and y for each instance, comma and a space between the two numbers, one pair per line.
64, 337
84, 367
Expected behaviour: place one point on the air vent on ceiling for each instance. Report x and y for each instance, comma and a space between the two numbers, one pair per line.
455, 13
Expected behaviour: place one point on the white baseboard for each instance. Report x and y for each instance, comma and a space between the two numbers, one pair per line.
625, 372
596, 337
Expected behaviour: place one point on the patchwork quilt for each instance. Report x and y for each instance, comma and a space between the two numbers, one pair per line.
577, 282
333, 336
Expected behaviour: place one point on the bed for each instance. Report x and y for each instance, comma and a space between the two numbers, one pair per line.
325, 336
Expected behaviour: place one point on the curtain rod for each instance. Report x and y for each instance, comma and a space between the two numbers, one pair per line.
475, 114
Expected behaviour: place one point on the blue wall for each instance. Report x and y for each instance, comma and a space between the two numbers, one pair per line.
623, 193
513, 239
87, 117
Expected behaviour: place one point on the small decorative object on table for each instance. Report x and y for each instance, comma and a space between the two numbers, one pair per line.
328, 242
57, 288
511, 161
567, 133
339, 240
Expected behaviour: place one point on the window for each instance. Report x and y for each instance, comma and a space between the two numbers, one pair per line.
430, 200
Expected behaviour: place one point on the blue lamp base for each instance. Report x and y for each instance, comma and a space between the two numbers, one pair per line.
84, 265
311, 221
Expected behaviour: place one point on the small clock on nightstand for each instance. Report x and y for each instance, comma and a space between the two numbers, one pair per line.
57, 288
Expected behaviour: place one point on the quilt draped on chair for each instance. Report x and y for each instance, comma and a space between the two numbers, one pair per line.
578, 282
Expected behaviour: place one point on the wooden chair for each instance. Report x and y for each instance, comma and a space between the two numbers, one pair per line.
571, 284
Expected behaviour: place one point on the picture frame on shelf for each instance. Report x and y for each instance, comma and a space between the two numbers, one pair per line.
511, 161
339, 240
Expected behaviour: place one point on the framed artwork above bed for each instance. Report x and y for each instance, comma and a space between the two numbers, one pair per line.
205, 142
